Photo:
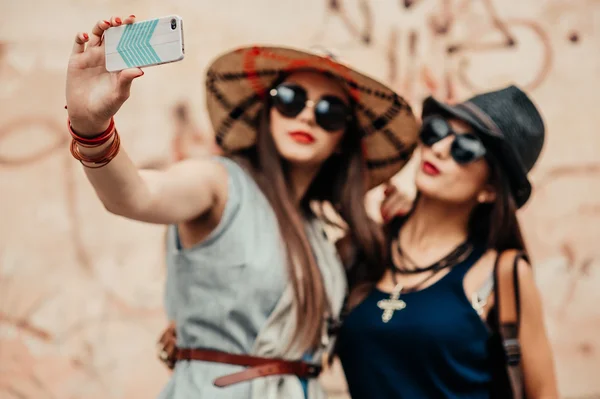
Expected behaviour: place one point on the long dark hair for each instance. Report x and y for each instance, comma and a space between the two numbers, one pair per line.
341, 182
494, 225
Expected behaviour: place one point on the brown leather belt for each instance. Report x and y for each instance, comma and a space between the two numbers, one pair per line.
257, 366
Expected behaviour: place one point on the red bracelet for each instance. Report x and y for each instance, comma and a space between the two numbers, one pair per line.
96, 140
99, 160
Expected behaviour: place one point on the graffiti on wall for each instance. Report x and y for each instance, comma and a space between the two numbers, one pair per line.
443, 52
463, 34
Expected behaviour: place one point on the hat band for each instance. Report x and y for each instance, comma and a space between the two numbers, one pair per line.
482, 116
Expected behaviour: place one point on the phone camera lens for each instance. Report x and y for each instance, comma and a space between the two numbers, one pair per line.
173, 24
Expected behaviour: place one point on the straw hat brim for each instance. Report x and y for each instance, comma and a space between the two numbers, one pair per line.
238, 81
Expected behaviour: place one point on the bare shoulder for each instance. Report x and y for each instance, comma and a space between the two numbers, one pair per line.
524, 269
184, 191
484, 265
202, 176
526, 278
211, 172
489, 257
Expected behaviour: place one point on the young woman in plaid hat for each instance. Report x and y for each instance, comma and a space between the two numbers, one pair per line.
252, 281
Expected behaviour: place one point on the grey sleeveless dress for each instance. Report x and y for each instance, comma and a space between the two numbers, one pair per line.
223, 294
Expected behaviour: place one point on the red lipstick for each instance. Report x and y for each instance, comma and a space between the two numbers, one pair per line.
302, 137
430, 169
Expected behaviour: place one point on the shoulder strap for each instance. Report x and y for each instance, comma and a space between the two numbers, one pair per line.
508, 310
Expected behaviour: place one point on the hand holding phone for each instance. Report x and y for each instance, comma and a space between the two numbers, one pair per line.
95, 94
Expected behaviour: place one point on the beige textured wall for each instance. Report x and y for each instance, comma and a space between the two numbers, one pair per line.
81, 290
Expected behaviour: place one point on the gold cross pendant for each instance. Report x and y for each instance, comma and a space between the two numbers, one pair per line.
389, 306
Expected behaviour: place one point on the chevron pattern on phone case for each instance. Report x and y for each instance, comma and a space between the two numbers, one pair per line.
134, 46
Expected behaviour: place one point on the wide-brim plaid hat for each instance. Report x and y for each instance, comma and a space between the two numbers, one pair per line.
238, 81
511, 127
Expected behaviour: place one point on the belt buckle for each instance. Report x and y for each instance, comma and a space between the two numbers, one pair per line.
163, 356
512, 350
161, 352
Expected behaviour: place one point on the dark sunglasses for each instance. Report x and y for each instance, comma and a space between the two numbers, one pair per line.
331, 112
465, 148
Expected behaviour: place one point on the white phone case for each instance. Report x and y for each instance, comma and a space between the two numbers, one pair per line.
144, 43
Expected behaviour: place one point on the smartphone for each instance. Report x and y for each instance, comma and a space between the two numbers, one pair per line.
144, 43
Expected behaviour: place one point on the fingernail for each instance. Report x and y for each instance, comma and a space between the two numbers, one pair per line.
132, 16
118, 20
107, 22
85, 36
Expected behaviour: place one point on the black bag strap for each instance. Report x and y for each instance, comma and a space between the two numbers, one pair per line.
508, 311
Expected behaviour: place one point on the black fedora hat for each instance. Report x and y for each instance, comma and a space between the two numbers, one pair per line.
510, 126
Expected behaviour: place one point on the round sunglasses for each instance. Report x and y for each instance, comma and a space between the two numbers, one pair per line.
466, 147
331, 112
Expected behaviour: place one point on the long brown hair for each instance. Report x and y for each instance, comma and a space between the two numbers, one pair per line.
496, 224
493, 225
341, 182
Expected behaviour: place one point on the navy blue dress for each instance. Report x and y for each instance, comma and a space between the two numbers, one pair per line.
436, 347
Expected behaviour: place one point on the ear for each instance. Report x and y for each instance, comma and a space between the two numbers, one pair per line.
487, 195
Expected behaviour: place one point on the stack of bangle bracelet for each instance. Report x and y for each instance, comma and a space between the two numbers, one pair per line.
99, 160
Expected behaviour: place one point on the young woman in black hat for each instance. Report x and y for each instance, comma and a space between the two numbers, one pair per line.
251, 276
426, 323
